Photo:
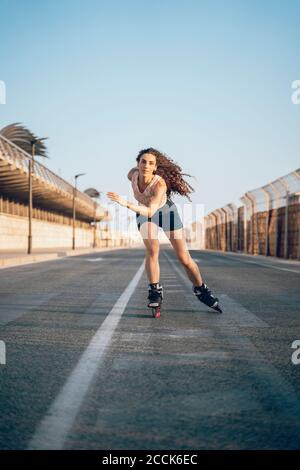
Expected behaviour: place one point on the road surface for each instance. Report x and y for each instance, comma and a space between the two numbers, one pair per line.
88, 367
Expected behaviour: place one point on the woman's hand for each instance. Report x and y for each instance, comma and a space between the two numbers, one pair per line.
116, 198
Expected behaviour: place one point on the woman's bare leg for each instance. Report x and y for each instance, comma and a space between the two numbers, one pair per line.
149, 232
178, 242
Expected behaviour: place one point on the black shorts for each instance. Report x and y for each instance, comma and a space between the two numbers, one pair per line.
166, 217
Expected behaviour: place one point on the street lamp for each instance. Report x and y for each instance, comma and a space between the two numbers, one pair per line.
94, 194
34, 143
109, 204
74, 208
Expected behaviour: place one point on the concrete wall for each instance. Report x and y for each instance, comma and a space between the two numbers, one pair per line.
14, 233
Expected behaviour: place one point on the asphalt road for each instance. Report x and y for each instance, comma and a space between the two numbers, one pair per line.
88, 367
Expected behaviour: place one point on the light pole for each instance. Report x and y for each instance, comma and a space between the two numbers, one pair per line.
118, 224
94, 194
31, 168
129, 230
109, 204
74, 208
95, 222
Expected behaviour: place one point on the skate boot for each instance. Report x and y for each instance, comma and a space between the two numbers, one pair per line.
205, 296
155, 298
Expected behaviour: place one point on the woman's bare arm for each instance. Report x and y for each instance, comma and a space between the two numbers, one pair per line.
146, 211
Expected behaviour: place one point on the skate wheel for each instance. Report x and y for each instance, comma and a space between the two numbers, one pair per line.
156, 312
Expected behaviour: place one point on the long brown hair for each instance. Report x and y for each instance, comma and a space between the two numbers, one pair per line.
171, 172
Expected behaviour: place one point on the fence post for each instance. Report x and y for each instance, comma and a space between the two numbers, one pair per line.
251, 244
267, 195
225, 231
286, 226
216, 247
234, 221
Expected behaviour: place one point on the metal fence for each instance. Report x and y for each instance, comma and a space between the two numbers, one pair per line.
11, 207
267, 223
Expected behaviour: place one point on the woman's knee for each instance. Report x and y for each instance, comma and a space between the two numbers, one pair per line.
152, 248
153, 252
185, 260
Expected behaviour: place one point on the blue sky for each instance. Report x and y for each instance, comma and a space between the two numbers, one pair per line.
206, 82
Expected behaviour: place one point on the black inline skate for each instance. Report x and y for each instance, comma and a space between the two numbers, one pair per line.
155, 298
205, 296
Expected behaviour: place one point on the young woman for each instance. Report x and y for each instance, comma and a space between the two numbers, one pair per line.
153, 180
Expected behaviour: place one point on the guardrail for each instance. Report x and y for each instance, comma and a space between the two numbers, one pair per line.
268, 222
19, 159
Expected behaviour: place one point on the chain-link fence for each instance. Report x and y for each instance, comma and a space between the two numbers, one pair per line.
267, 223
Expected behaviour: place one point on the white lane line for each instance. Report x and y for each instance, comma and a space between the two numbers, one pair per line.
271, 386
265, 265
168, 359
234, 311
270, 266
177, 291
53, 430
171, 285
112, 258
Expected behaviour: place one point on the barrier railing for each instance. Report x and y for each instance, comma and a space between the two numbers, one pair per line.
19, 159
8, 206
268, 222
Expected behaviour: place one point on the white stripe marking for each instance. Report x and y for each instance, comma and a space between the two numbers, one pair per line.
270, 266
239, 314
171, 285
271, 385
55, 426
93, 259
265, 265
234, 311
170, 291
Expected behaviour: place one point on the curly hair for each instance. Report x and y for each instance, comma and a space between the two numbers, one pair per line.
170, 171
